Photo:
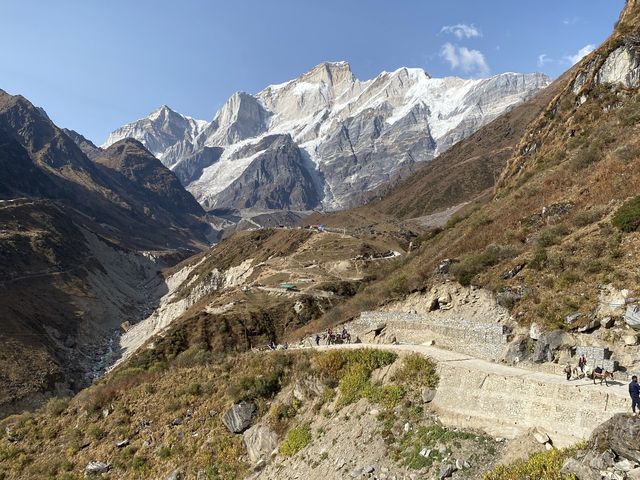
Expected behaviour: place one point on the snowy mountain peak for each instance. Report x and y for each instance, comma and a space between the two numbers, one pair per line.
163, 112
345, 136
160, 130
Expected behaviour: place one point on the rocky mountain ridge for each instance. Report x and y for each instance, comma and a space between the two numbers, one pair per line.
350, 136
83, 231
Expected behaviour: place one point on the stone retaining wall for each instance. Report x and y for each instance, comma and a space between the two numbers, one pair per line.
482, 340
597, 357
509, 406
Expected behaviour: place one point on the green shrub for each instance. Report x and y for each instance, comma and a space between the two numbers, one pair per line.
140, 463
552, 235
194, 389
354, 384
542, 466
567, 278
417, 370
627, 217
96, 433
587, 217
296, 440
164, 452
193, 356
286, 411
539, 259
399, 285
249, 387
388, 395
331, 366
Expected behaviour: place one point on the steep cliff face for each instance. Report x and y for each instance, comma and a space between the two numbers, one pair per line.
276, 179
603, 81
354, 135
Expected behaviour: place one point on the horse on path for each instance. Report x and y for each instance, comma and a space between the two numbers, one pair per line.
603, 375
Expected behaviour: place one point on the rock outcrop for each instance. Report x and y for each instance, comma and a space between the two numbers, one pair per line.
620, 434
260, 442
238, 418
613, 451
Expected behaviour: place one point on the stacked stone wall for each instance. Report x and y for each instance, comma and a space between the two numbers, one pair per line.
481, 339
509, 406
597, 357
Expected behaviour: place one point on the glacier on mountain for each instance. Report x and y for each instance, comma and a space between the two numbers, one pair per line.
345, 136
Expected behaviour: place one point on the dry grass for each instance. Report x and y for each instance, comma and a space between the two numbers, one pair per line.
567, 254
170, 414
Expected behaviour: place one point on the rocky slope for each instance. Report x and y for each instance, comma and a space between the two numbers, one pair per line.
103, 190
231, 298
560, 228
350, 136
82, 232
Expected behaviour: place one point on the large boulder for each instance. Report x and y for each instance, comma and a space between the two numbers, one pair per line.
535, 331
260, 441
611, 301
96, 468
632, 316
621, 434
238, 418
578, 469
547, 346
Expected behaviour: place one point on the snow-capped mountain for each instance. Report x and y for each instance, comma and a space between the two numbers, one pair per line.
159, 131
322, 139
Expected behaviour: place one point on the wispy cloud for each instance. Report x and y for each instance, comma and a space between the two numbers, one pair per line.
543, 59
580, 54
571, 21
461, 30
461, 58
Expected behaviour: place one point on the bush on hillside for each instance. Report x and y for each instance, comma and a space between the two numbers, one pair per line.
249, 387
543, 465
539, 259
417, 370
56, 405
587, 217
296, 440
627, 217
552, 235
331, 366
354, 385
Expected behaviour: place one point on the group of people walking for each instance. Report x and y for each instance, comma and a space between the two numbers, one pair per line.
582, 364
331, 337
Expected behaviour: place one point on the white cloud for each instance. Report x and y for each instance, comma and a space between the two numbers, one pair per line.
461, 30
469, 61
580, 54
571, 21
543, 59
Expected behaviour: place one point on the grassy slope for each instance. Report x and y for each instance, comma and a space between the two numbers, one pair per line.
171, 412
584, 166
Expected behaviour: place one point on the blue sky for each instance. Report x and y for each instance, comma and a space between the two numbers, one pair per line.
95, 65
